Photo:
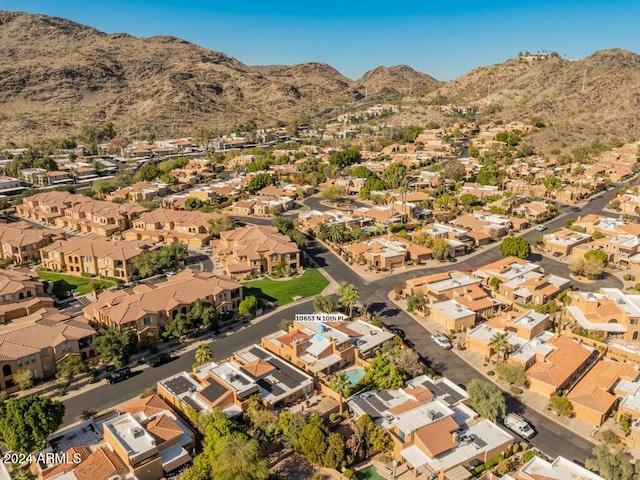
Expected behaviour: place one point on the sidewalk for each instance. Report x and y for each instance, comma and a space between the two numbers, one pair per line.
476, 360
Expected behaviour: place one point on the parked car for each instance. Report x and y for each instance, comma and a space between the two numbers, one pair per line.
519, 425
557, 254
397, 331
541, 228
161, 359
169, 274
442, 341
119, 375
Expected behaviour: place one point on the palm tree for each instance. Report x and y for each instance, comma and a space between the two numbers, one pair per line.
88, 414
348, 295
339, 383
203, 354
499, 343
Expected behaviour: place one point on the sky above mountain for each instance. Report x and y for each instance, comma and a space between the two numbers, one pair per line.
442, 38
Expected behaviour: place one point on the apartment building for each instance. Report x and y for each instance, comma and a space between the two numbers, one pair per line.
171, 226
21, 242
95, 255
255, 250
99, 217
21, 294
10, 185
39, 342
145, 308
45, 207
612, 312
323, 348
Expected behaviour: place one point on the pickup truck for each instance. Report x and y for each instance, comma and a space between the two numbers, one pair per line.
519, 425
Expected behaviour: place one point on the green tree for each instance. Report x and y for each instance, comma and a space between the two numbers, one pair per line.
291, 425
221, 224
312, 442
597, 255
345, 158
515, 247
332, 194
486, 399
115, 345
372, 184
339, 383
362, 172
23, 378
440, 249
409, 133
383, 374
512, 374
468, 200
285, 324
613, 465
203, 354
324, 304
203, 313
495, 283
334, 456
348, 295
416, 302
394, 175
178, 325
237, 457
562, 405
407, 360
72, 366
259, 181
248, 305
148, 172
26, 422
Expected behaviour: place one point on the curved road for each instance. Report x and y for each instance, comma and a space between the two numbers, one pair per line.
552, 437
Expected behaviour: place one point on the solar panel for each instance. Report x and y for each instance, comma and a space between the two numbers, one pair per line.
366, 407
258, 352
455, 396
377, 404
189, 401
384, 395
478, 442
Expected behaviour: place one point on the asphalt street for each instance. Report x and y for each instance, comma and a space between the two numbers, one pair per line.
552, 438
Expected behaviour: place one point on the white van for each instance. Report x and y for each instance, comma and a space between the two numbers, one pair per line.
519, 425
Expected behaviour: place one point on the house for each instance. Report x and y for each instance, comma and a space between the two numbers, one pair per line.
139, 191
433, 431
145, 308
521, 281
453, 315
40, 342
58, 177
387, 253
525, 332
323, 348
255, 250
99, 217
559, 469
20, 242
229, 385
612, 312
561, 366
312, 219
21, 294
439, 287
535, 212
456, 238
593, 397
381, 216
150, 444
10, 185
173, 226
564, 241
262, 206
95, 256
45, 207
34, 176
621, 248
607, 226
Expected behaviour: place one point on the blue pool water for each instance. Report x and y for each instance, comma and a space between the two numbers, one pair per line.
355, 375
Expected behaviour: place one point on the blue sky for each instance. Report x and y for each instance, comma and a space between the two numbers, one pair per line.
445, 38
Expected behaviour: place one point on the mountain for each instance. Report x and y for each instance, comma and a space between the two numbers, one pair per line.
596, 96
396, 81
56, 75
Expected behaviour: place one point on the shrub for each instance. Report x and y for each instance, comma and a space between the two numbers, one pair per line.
516, 390
348, 473
524, 446
92, 379
629, 278
515, 448
491, 373
625, 424
452, 331
609, 437
333, 417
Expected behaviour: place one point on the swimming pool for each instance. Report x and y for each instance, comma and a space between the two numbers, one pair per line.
369, 473
354, 375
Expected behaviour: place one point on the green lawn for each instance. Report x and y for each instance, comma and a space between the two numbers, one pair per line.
312, 282
67, 283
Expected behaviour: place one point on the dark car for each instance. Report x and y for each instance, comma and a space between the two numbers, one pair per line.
158, 360
397, 331
119, 375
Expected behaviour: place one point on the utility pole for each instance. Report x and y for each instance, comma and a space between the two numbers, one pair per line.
584, 79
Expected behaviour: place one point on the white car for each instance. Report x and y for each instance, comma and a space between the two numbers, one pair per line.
541, 228
442, 341
169, 274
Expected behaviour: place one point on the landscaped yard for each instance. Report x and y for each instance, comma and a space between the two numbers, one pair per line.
312, 282
67, 283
